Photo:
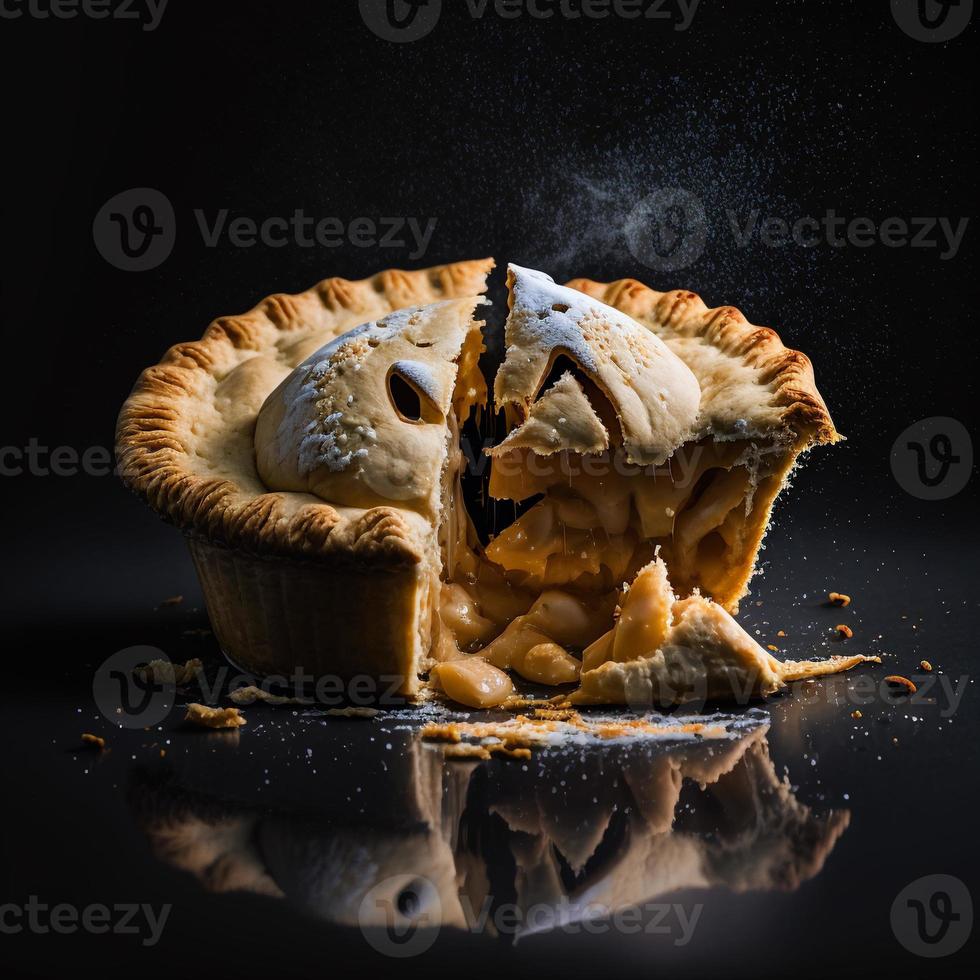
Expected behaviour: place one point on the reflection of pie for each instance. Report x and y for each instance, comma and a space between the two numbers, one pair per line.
584, 835
317, 468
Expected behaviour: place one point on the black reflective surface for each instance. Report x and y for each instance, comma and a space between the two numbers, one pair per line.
276, 846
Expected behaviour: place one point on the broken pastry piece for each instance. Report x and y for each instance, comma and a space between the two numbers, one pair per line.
665, 651
688, 423
207, 717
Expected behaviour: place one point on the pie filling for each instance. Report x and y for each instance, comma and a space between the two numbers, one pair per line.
544, 598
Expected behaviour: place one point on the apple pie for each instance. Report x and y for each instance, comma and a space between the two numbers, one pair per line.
312, 452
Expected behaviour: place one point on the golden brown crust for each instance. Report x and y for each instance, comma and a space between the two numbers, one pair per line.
183, 440
788, 374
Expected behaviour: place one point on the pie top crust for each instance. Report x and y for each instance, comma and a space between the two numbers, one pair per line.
334, 427
562, 419
751, 384
653, 392
184, 440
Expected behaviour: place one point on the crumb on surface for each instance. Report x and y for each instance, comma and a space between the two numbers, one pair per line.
251, 694
856, 714
352, 712
839, 598
93, 741
844, 631
207, 717
772, 647
546, 726
174, 600
899, 681
167, 672
781, 633
925, 665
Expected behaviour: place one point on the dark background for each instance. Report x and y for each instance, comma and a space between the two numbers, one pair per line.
530, 141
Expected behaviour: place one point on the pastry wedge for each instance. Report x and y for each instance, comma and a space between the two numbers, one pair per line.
664, 651
706, 416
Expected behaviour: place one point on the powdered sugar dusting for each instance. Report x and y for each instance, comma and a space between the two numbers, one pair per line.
421, 376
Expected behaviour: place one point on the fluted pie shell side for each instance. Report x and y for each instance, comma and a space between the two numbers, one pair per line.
285, 575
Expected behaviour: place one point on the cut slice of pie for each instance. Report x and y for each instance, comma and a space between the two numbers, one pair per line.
664, 651
693, 422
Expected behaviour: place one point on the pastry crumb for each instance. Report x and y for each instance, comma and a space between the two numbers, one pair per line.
517, 736
167, 672
856, 714
251, 694
174, 600
517, 702
93, 741
899, 681
781, 633
773, 647
466, 750
555, 714
844, 631
443, 733
839, 598
925, 665
352, 712
206, 717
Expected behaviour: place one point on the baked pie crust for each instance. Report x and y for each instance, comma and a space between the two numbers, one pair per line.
310, 451
290, 580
